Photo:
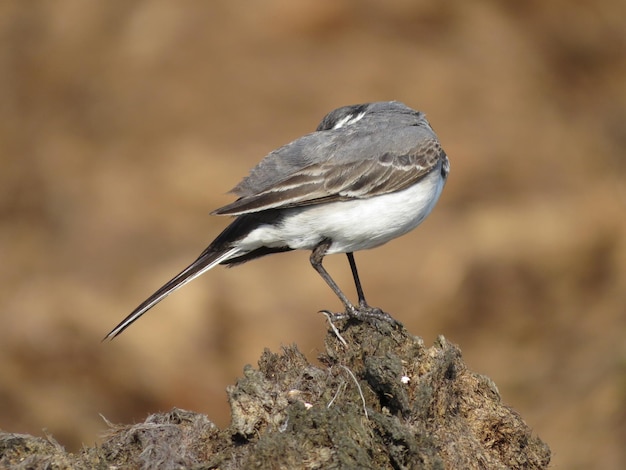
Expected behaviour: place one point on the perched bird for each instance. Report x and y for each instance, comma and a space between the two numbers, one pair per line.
369, 173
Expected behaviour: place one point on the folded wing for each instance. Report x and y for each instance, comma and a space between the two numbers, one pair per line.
337, 180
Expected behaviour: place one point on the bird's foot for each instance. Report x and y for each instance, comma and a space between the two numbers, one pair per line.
363, 313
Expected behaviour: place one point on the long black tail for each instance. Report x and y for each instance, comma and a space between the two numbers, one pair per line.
206, 261
223, 250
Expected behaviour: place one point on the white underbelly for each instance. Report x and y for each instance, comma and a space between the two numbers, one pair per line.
351, 225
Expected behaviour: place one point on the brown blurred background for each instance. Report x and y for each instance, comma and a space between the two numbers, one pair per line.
122, 124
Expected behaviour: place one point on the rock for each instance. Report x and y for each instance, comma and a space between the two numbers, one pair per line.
382, 400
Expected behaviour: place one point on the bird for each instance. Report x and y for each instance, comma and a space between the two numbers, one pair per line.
369, 173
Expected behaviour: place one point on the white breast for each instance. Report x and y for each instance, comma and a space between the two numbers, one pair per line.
352, 225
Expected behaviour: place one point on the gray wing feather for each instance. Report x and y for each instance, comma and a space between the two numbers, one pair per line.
359, 168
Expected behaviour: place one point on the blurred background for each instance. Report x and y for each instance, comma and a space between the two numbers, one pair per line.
124, 123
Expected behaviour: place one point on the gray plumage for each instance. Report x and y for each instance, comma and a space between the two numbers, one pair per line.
369, 173
348, 162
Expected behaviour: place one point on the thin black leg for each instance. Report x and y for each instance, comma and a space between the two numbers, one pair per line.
316, 261
357, 281
363, 313
365, 310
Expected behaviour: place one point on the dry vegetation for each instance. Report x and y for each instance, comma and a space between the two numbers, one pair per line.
122, 124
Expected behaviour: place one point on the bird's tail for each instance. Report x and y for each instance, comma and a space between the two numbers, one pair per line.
207, 260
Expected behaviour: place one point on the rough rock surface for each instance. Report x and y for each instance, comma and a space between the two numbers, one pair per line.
382, 400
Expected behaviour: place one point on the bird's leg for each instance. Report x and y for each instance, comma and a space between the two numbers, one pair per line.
364, 308
316, 261
364, 312
357, 282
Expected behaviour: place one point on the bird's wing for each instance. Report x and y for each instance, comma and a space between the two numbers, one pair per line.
341, 179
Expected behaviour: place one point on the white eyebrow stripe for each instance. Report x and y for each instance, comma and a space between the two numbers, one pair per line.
349, 119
